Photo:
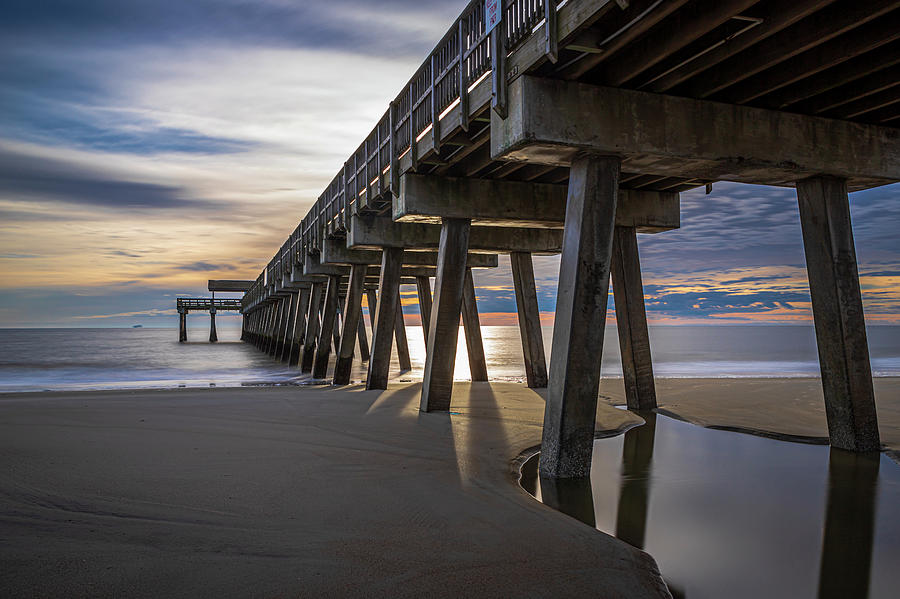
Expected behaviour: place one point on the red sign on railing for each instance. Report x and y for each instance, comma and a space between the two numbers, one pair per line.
492, 14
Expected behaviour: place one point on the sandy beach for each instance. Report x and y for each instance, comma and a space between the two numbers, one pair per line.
781, 408
326, 492
290, 492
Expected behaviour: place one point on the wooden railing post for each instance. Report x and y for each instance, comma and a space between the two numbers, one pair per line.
435, 116
498, 68
463, 79
551, 41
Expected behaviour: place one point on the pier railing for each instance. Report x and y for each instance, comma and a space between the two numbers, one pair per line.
466, 55
206, 304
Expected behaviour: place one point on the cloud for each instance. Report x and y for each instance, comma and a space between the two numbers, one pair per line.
34, 177
203, 266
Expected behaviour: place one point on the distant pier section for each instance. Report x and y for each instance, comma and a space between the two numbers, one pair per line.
211, 305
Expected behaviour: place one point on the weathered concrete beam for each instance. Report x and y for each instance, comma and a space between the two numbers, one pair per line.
229, 285
428, 198
680, 137
372, 232
335, 251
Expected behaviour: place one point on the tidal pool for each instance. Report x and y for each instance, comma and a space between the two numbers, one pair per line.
733, 515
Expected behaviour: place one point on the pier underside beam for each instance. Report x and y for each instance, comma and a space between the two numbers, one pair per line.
472, 330
838, 314
656, 134
352, 311
529, 319
312, 328
386, 309
580, 317
335, 251
500, 203
440, 355
329, 315
631, 321
380, 231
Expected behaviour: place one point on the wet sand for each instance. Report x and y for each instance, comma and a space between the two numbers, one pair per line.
790, 409
291, 492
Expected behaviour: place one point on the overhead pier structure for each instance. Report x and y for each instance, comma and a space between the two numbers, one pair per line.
570, 128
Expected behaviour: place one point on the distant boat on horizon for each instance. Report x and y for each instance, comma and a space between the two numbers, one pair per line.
137, 326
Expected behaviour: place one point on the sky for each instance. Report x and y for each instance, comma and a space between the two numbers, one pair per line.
146, 147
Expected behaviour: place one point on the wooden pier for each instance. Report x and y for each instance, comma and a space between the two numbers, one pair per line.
570, 128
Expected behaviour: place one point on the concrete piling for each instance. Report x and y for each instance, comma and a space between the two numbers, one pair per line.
472, 331
326, 332
440, 355
838, 314
580, 317
352, 313
386, 309
529, 319
631, 321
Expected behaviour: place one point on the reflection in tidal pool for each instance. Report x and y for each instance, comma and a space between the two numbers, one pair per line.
732, 515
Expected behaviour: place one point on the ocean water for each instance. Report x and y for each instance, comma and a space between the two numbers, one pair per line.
75, 359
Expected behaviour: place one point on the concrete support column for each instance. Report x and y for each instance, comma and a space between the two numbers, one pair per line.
363, 338
571, 407
472, 330
182, 327
838, 314
385, 316
529, 319
401, 338
263, 323
631, 321
352, 312
371, 303
299, 327
329, 315
274, 324
423, 289
285, 352
271, 333
338, 323
213, 337
443, 328
312, 328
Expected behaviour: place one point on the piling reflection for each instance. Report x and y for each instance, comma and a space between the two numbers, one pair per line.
571, 496
849, 524
634, 490
726, 507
